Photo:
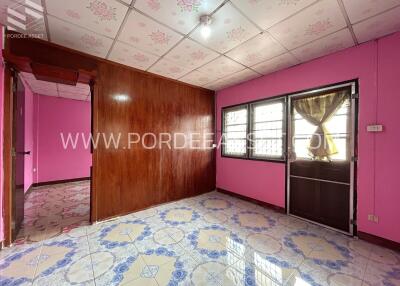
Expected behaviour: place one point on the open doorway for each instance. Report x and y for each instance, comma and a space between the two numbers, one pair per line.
52, 127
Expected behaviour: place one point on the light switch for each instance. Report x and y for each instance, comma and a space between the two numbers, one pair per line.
375, 128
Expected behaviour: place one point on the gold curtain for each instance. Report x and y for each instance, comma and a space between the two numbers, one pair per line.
318, 110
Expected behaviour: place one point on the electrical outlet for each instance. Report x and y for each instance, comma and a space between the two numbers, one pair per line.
375, 128
373, 218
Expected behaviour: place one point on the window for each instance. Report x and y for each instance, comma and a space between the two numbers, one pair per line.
235, 131
267, 129
258, 136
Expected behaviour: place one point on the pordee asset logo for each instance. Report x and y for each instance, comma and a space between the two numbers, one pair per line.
25, 17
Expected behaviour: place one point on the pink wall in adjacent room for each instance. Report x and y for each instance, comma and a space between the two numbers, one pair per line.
52, 161
377, 66
1, 133
29, 138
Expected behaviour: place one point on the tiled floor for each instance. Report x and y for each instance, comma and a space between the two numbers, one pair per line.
212, 239
52, 210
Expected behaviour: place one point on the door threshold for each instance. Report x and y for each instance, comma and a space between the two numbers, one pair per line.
323, 225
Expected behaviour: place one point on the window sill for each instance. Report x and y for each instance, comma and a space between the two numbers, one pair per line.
280, 161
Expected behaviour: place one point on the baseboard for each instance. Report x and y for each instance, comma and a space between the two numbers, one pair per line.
29, 191
379, 240
60, 182
257, 202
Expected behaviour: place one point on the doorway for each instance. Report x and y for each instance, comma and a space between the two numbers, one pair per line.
321, 156
51, 179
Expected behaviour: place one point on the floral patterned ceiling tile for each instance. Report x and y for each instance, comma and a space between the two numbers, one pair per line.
325, 46
221, 67
197, 78
77, 38
358, 10
229, 28
266, 13
101, 16
148, 35
256, 50
130, 56
169, 69
378, 26
275, 64
181, 15
191, 54
321, 19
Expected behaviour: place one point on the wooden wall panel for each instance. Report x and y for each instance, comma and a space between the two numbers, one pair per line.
129, 179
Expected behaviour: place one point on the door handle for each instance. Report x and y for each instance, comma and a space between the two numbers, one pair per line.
24, 153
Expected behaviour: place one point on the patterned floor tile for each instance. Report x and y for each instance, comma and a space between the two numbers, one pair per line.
212, 239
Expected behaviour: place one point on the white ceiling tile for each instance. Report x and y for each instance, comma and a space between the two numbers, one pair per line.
73, 89
319, 20
221, 67
103, 17
75, 96
197, 78
325, 46
216, 85
181, 15
266, 13
358, 10
43, 91
229, 28
77, 38
191, 54
239, 77
38, 84
378, 26
130, 56
128, 2
169, 69
275, 64
256, 50
147, 35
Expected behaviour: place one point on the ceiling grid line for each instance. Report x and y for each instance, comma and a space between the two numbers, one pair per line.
121, 27
315, 28
347, 19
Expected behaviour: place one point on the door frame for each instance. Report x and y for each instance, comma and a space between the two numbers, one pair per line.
10, 70
353, 145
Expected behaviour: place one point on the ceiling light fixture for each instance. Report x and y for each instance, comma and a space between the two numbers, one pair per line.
205, 22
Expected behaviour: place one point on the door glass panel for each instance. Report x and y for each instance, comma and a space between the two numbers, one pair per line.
337, 126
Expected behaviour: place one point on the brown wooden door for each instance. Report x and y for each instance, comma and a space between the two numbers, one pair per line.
320, 190
19, 153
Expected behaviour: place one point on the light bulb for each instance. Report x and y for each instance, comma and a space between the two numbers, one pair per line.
205, 31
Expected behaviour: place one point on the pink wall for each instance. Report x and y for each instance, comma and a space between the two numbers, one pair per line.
56, 115
377, 66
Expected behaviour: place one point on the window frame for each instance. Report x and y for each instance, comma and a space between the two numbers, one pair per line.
268, 101
223, 124
247, 105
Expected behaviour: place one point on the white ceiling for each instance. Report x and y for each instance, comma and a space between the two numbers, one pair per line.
249, 37
78, 92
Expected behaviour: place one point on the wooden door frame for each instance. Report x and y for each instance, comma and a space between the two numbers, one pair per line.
12, 66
